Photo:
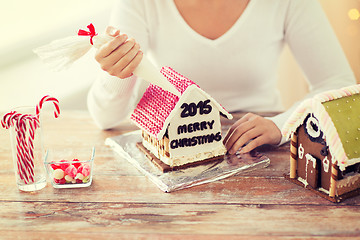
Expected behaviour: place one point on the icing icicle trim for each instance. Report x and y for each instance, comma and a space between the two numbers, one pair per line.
338, 93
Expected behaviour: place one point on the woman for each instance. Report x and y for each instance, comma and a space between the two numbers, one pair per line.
229, 48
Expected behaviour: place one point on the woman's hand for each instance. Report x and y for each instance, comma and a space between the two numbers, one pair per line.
120, 56
250, 132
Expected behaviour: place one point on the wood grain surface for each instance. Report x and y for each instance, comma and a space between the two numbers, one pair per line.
121, 203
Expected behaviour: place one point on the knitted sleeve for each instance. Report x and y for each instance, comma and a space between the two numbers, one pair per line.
110, 99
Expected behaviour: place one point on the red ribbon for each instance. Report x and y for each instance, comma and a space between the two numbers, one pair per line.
90, 33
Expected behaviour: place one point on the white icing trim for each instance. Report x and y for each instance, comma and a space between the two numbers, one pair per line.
296, 119
324, 190
349, 163
333, 140
303, 181
337, 93
311, 131
301, 151
326, 164
309, 158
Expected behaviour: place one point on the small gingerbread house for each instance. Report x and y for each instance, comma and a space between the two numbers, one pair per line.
180, 130
325, 143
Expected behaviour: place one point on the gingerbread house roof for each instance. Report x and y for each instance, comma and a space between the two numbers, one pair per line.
156, 108
338, 113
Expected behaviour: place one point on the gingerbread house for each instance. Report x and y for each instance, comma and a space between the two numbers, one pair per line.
180, 130
325, 143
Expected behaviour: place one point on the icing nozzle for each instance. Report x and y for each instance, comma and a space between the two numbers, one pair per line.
147, 71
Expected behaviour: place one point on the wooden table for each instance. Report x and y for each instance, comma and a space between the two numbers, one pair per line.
122, 203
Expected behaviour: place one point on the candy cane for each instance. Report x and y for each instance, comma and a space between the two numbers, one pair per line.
27, 143
47, 98
21, 159
25, 126
26, 158
21, 156
11, 119
34, 123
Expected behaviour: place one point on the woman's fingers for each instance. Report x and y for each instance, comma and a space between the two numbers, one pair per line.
117, 56
130, 68
128, 62
110, 30
240, 140
120, 56
236, 131
256, 142
250, 132
110, 47
234, 126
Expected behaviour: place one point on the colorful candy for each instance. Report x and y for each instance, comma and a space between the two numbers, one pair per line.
71, 172
58, 174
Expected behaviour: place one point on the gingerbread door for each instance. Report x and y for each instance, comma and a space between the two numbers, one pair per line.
312, 171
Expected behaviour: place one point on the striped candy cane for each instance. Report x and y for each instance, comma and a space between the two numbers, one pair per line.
9, 119
25, 126
26, 143
47, 98
21, 148
17, 120
34, 124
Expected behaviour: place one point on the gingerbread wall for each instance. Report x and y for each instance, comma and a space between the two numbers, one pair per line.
322, 176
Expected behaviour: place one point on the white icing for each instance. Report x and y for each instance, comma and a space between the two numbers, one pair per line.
303, 181
324, 190
213, 126
313, 132
326, 163
301, 151
310, 158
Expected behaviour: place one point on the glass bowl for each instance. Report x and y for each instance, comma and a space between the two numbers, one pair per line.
70, 168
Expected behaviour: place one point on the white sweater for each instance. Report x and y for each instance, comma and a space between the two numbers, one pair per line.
239, 69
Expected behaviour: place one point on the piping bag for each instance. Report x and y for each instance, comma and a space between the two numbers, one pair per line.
62, 53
